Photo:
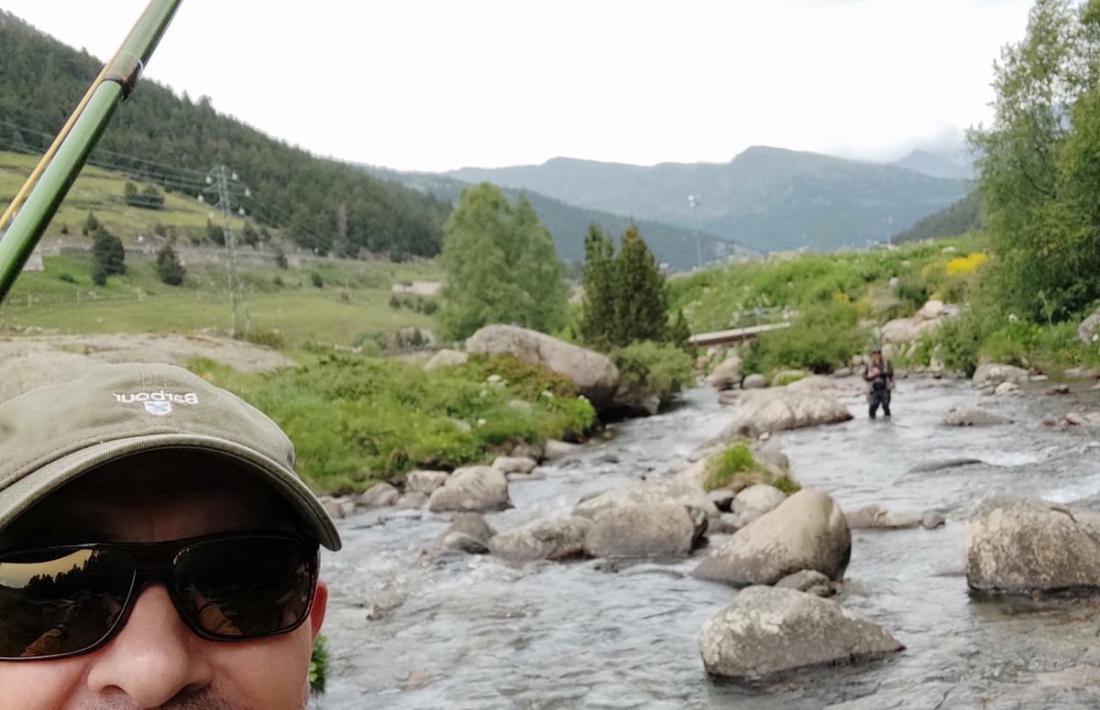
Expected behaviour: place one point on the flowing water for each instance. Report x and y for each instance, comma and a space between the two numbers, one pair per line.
409, 630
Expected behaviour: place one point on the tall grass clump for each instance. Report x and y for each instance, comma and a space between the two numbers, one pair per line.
355, 420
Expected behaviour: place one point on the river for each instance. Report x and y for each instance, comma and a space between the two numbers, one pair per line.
407, 630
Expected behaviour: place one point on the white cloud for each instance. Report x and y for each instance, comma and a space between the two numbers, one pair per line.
436, 84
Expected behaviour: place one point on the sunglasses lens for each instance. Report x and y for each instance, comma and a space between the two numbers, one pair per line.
60, 601
245, 587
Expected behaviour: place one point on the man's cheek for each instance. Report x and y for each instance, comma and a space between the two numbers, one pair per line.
269, 674
42, 685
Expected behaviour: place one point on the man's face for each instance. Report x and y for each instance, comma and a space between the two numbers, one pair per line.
155, 660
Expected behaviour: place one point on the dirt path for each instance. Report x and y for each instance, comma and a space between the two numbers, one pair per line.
29, 362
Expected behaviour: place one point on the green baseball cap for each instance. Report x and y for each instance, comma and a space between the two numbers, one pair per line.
55, 434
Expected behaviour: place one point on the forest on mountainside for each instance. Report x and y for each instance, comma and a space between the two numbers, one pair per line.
157, 136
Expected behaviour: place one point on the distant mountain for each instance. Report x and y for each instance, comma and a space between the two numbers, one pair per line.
960, 218
770, 199
937, 166
568, 224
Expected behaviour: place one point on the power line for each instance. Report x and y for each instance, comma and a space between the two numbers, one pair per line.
220, 178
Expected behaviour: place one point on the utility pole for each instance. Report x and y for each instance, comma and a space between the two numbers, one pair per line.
693, 204
227, 188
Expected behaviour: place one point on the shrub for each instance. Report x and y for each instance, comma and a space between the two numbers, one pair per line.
318, 665
169, 268
67, 278
354, 420
650, 368
316, 280
821, 338
395, 302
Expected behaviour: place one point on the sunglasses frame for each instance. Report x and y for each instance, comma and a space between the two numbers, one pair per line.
153, 564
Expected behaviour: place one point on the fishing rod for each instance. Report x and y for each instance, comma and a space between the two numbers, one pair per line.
37, 201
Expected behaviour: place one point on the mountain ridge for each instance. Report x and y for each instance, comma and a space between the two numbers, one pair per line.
765, 197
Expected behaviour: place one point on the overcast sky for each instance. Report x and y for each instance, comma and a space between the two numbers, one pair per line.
440, 84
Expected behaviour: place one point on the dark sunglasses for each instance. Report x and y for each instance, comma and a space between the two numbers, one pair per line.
64, 601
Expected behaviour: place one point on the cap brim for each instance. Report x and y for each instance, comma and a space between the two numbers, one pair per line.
22, 495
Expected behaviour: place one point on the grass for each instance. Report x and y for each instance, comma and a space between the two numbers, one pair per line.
736, 468
353, 302
355, 420
101, 191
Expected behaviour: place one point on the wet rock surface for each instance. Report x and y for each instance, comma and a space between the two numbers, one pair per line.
768, 630
806, 532
478, 631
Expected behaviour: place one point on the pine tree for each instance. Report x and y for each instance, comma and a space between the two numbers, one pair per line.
169, 268
598, 310
625, 299
91, 224
641, 309
108, 256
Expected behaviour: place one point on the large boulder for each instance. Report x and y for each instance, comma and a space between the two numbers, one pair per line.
1023, 546
753, 502
474, 489
973, 416
767, 411
754, 382
515, 464
930, 317
727, 375
648, 530
873, 517
379, 495
677, 490
551, 539
595, 375
424, 481
469, 533
992, 374
1089, 329
805, 532
446, 358
766, 630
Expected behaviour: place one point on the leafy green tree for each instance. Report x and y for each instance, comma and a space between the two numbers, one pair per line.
108, 256
1034, 164
169, 268
500, 266
539, 270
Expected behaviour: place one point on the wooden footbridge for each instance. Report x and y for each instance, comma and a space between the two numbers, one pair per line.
736, 335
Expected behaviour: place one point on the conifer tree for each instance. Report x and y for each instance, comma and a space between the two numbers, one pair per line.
598, 314
169, 268
625, 299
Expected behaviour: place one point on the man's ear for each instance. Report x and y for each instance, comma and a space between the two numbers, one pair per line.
320, 604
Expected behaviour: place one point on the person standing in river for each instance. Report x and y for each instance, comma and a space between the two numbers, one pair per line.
879, 375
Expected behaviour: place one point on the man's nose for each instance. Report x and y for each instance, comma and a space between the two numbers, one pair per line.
154, 659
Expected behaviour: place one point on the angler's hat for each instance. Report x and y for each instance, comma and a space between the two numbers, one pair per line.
55, 434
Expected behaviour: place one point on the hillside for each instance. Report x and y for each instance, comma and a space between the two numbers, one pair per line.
675, 246
101, 192
767, 198
175, 141
959, 218
935, 165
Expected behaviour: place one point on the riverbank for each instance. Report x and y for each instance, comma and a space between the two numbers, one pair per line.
415, 631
